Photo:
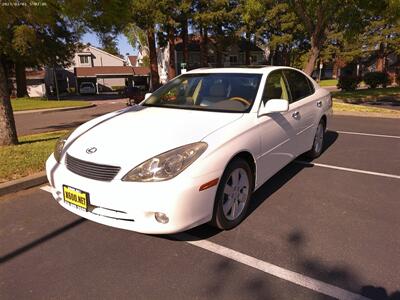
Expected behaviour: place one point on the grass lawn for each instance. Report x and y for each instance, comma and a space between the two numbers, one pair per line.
369, 95
28, 157
338, 106
38, 103
328, 82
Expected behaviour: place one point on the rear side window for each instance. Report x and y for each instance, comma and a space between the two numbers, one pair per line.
275, 87
300, 86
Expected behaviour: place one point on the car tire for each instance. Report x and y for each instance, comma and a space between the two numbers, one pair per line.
233, 195
318, 142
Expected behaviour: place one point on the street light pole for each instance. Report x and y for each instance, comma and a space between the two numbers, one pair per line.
55, 79
320, 71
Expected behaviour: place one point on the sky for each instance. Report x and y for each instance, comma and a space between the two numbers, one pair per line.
123, 45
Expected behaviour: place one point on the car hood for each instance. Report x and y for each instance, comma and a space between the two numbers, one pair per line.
133, 135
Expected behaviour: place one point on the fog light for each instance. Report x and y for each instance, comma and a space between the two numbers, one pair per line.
161, 218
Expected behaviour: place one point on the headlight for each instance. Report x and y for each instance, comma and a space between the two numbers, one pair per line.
166, 165
60, 145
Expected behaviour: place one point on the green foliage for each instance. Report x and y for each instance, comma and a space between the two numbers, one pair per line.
348, 82
375, 79
109, 43
38, 35
137, 38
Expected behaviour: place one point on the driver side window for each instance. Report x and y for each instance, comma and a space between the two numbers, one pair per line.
275, 87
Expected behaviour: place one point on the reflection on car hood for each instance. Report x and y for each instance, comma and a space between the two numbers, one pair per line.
131, 136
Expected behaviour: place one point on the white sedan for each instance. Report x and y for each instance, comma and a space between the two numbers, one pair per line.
192, 152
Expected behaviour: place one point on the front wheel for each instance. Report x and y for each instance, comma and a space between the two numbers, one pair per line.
233, 195
318, 143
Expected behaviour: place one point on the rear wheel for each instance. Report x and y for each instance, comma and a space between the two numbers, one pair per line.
233, 195
318, 143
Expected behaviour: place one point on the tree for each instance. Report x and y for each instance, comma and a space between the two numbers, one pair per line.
109, 43
382, 33
146, 14
252, 16
41, 33
137, 37
316, 15
284, 35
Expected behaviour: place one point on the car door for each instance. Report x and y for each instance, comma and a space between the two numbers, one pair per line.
276, 130
302, 109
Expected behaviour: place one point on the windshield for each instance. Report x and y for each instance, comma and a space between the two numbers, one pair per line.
229, 92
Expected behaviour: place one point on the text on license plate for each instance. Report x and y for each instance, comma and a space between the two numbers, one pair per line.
75, 197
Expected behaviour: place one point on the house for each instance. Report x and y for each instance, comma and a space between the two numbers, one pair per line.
233, 55
108, 72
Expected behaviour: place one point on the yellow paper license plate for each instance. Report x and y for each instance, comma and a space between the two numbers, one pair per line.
76, 197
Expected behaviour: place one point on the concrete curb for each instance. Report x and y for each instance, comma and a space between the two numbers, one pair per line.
47, 110
22, 183
366, 114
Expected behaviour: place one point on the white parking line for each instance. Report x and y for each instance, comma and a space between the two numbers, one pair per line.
46, 188
369, 134
347, 169
293, 277
266, 267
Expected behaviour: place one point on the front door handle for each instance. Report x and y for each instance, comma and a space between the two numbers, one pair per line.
319, 103
296, 115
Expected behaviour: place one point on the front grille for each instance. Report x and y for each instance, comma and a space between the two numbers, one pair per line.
91, 170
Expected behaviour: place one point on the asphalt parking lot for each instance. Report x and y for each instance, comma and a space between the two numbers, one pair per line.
317, 230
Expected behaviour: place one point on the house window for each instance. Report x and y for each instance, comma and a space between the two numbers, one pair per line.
233, 59
84, 59
253, 58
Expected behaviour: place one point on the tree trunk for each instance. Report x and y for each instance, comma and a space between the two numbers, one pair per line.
171, 46
8, 132
218, 58
184, 36
155, 78
203, 47
314, 53
380, 62
335, 70
247, 50
20, 77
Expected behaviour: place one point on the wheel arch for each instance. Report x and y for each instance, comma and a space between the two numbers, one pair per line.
249, 158
325, 119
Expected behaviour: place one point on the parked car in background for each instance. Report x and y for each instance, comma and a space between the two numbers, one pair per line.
135, 94
87, 88
205, 141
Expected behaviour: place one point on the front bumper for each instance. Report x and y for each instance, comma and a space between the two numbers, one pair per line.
132, 205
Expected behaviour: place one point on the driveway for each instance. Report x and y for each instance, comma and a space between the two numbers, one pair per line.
37, 122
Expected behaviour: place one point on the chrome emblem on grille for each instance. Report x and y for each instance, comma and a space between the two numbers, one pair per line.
91, 150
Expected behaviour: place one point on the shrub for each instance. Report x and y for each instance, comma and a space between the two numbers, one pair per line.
117, 87
71, 90
348, 82
374, 79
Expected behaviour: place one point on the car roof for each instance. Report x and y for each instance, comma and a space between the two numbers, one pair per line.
257, 69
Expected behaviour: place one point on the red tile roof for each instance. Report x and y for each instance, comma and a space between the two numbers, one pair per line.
35, 74
111, 70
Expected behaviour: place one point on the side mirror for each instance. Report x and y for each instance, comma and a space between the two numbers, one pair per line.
147, 95
273, 106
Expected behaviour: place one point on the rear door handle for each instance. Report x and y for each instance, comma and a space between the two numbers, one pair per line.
296, 115
319, 103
